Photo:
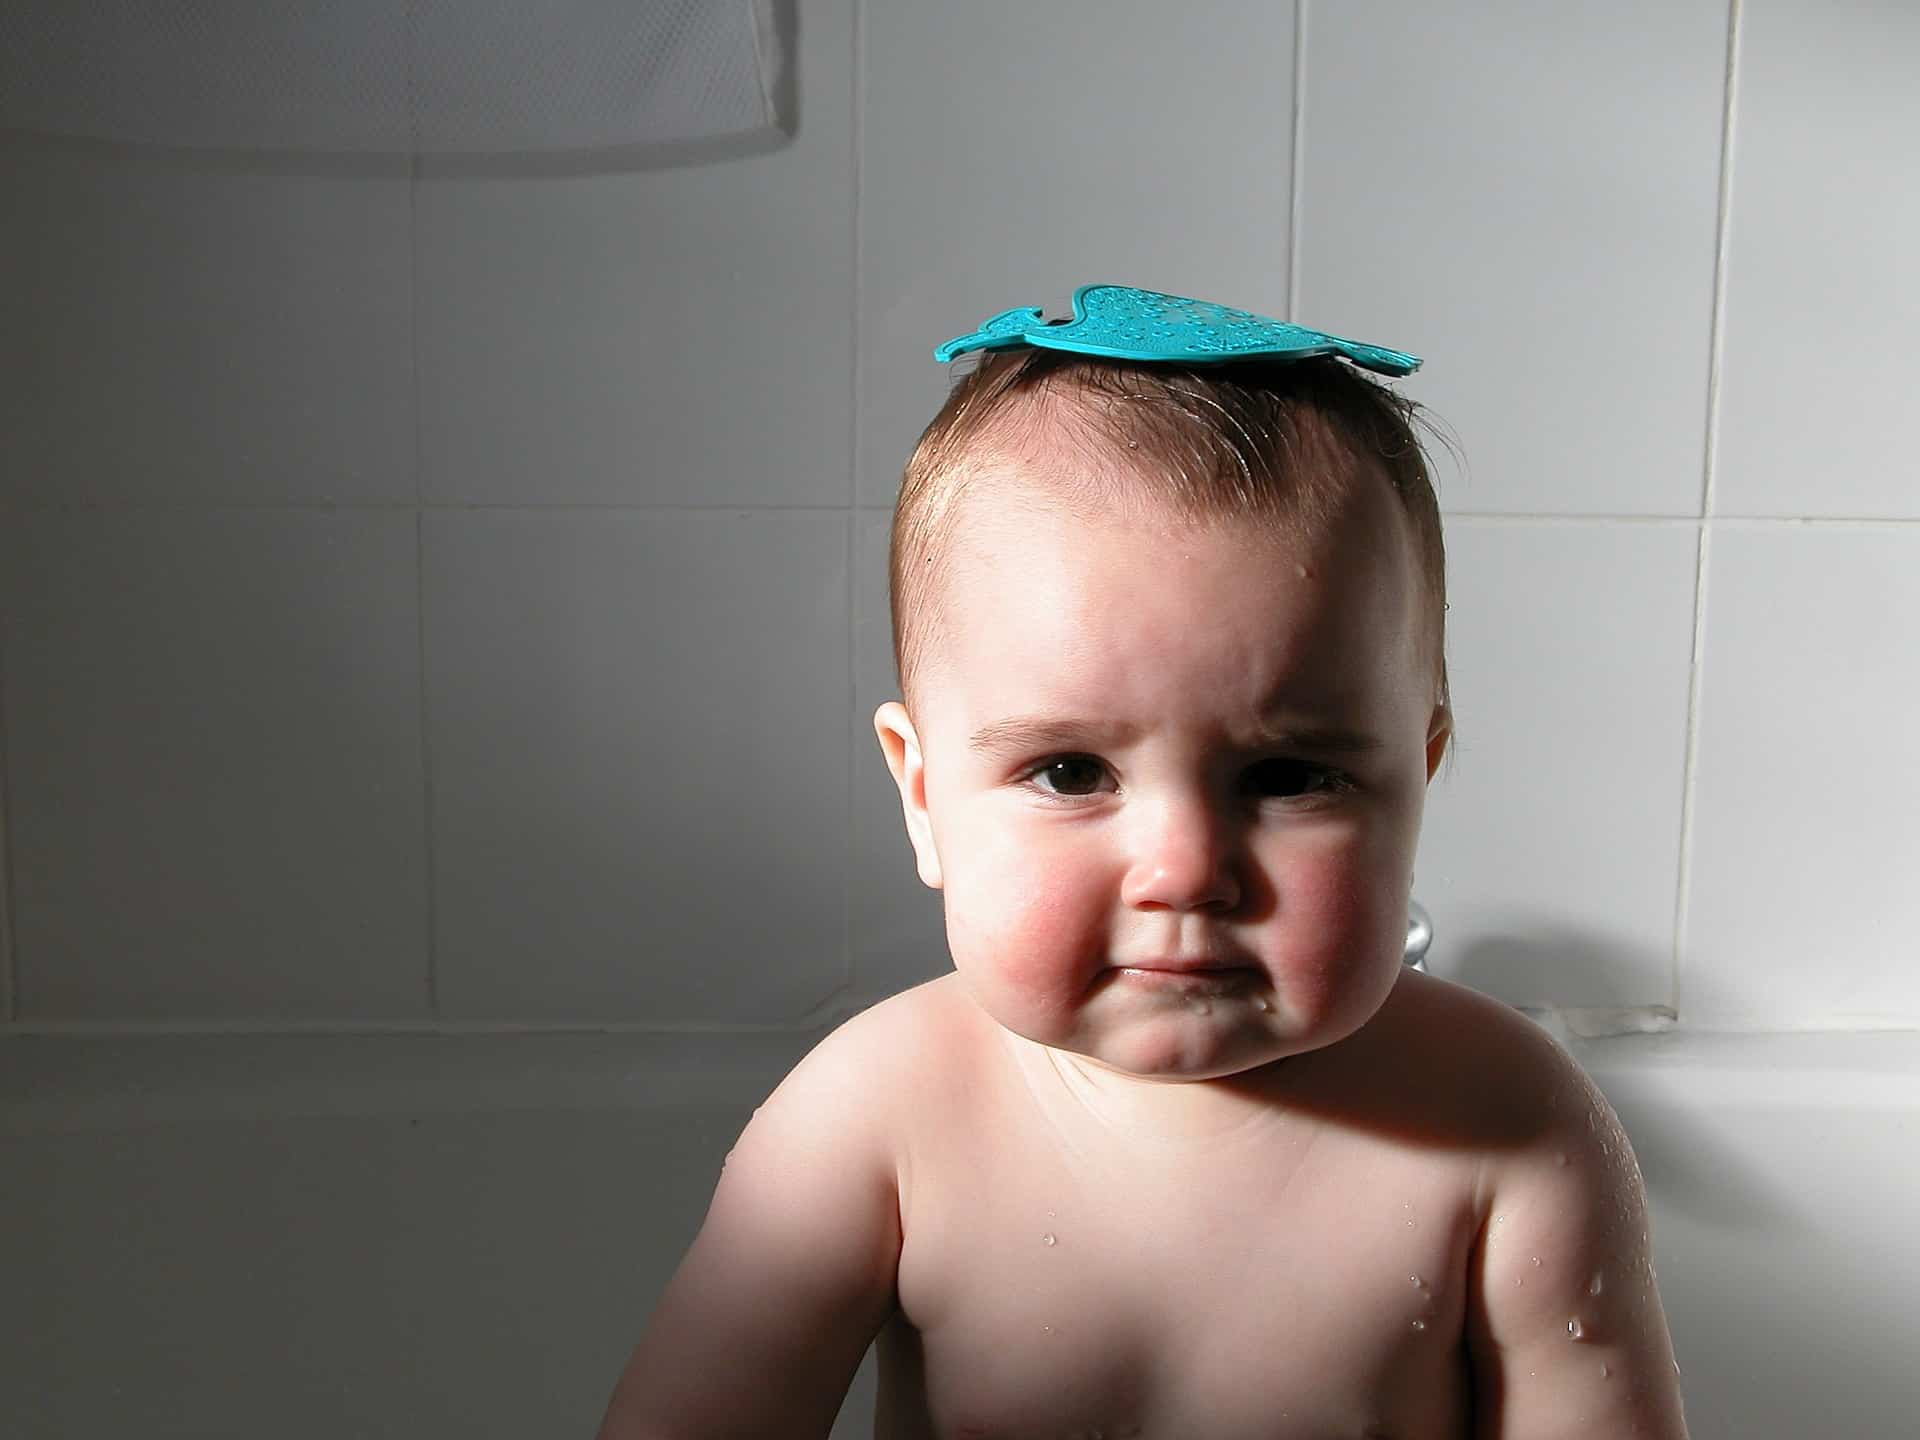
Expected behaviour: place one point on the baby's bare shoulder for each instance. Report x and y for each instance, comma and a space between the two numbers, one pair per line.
1562, 1318
899, 1052
1473, 1069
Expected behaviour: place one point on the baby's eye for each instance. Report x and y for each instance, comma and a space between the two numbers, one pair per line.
1075, 768
1284, 778
1301, 777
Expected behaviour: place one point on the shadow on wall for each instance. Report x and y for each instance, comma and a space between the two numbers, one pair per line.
1526, 969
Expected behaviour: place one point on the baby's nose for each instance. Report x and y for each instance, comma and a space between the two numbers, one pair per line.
1186, 862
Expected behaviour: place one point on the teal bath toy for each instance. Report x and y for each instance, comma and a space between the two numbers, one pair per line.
1123, 323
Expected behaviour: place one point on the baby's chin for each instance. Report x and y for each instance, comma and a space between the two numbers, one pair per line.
1179, 1033
1178, 1055
1172, 1048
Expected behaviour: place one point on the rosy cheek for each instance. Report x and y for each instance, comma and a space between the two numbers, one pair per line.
1328, 899
1009, 920
1042, 943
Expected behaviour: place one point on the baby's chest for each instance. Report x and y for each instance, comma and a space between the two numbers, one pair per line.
1264, 1293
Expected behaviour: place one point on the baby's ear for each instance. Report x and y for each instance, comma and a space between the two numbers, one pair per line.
1439, 736
900, 742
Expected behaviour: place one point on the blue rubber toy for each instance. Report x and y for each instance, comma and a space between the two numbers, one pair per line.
1123, 323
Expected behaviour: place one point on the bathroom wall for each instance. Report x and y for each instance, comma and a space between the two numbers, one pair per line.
441, 618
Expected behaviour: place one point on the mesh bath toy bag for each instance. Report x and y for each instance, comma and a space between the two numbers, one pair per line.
1122, 323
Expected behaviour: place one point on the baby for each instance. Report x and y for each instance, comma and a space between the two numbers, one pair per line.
1180, 1148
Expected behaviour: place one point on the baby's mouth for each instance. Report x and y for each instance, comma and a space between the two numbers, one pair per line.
1192, 977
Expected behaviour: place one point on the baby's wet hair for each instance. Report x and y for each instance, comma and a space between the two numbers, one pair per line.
1271, 443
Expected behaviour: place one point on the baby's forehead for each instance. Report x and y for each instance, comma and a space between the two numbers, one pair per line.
1006, 498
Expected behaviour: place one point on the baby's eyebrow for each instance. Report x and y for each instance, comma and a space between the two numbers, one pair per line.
1034, 732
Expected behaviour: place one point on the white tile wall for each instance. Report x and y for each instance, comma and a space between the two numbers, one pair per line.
637, 722
1549, 856
677, 337
180, 335
1803, 909
214, 794
1823, 300
1524, 195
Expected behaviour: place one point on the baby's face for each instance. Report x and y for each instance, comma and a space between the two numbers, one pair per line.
1153, 823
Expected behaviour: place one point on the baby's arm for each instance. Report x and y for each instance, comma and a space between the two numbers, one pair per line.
762, 1327
1564, 1323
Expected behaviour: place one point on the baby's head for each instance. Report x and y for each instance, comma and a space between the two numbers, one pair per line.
1154, 558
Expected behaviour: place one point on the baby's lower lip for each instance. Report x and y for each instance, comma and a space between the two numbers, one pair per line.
1189, 977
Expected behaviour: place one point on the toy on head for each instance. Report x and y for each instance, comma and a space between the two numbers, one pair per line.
1123, 323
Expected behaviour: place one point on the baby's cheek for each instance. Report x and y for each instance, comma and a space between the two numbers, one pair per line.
1019, 935
1338, 907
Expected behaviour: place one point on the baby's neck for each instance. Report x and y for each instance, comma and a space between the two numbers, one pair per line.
1150, 1108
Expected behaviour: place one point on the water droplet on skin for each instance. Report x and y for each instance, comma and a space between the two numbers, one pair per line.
1606, 1371
1052, 1213
1595, 1285
1047, 1239
1536, 1261
1416, 1280
1518, 1281
1419, 1324
1301, 571
1560, 1159
1412, 1223
1575, 1329
1262, 1004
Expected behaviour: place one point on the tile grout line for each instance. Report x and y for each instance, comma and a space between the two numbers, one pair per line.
848, 975
1299, 158
9, 992
420, 534
1716, 350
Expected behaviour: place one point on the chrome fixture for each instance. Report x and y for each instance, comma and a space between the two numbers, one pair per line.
1419, 936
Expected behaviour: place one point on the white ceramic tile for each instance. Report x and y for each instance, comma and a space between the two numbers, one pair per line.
176, 333
1803, 910
638, 728
213, 751
1012, 152
1550, 854
899, 925
679, 336
1525, 196
1822, 299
